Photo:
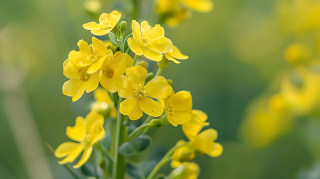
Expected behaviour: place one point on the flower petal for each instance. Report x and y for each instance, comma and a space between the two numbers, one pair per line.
181, 101
96, 66
209, 134
93, 82
74, 88
199, 5
145, 29
152, 54
161, 44
136, 75
91, 118
134, 46
91, 26
103, 17
218, 149
65, 149
102, 95
151, 107
78, 131
198, 116
85, 157
98, 132
136, 30
130, 107
176, 53
173, 122
72, 71
84, 47
158, 88
180, 117
169, 57
114, 18
99, 32
107, 83
98, 46
156, 32
72, 155
125, 90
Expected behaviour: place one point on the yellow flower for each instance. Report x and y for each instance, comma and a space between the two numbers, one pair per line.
178, 107
106, 23
175, 53
80, 80
113, 67
296, 53
177, 17
139, 95
103, 104
193, 127
90, 57
87, 132
187, 170
149, 41
199, 5
204, 142
183, 154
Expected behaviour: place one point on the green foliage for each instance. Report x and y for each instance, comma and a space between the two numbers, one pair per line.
135, 146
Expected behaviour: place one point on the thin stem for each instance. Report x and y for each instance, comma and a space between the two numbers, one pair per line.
115, 99
159, 71
135, 59
105, 173
145, 122
105, 152
164, 160
137, 131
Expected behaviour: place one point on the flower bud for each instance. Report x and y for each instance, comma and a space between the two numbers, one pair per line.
164, 120
102, 108
143, 64
102, 163
169, 81
297, 53
184, 154
187, 170
123, 27
164, 63
155, 123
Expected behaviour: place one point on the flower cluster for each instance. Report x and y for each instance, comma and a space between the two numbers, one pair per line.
128, 90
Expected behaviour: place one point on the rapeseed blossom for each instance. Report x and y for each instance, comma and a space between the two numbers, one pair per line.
174, 54
139, 96
103, 104
106, 23
187, 170
149, 41
194, 126
86, 132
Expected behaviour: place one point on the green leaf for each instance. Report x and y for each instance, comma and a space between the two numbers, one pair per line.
87, 169
113, 39
134, 171
126, 47
135, 146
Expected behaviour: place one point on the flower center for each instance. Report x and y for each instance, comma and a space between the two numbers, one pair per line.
105, 24
86, 141
109, 72
139, 91
169, 109
94, 57
144, 43
84, 76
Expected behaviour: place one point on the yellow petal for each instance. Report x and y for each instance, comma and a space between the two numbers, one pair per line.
107, 83
115, 17
134, 46
96, 66
98, 46
158, 88
98, 132
102, 95
120, 64
72, 71
151, 107
91, 118
181, 101
173, 122
169, 57
74, 88
180, 117
218, 149
199, 116
84, 47
72, 155
209, 134
152, 54
66, 148
125, 90
136, 75
156, 32
85, 157
78, 131
176, 53
145, 29
93, 82
79, 60
191, 129
136, 30
161, 44
130, 107
199, 5
175, 163
104, 17
91, 26
99, 32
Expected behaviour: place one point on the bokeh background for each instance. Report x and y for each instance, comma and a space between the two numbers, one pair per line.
236, 56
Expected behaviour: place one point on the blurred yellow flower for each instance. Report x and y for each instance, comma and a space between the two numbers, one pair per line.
103, 104
297, 53
178, 107
183, 154
87, 132
175, 53
204, 142
132, 87
149, 41
187, 170
164, 6
194, 126
90, 57
112, 68
106, 23
80, 80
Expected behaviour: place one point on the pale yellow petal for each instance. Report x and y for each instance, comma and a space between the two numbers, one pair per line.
145, 29
158, 88
134, 46
176, 53
107, 83
151, 107
100, 32
181, 101
175, 163
156, 32
66, 148
218, 149
91, 118
85, 157
191, 129
84, 47
209, 134
97, 132
136, 75
103, 17
169, 57
74, 88
152, 54
72, 155
102, 95
130, 107
199, 116
115, 17
136, 30
199, 5
180, 117
93, 82
91, 26
78, 131
125, 90
173, 122
161, 44
96, 66
98, 46
72, 71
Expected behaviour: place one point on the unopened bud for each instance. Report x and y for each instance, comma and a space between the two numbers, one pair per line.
143, 64
164, 63
164, 120
183, 154
102, 163
155, 123
169, 81
123, 27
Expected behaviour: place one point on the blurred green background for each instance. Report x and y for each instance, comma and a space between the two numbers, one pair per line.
235, 53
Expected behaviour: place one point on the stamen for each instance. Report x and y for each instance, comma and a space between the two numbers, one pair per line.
139, 91
108, 72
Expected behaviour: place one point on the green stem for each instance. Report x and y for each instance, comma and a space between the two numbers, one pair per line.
164, 160
71, 172
137, 131
121, 136
105, 152
145, 122
135, 59
105, 173
159, 71
115, 99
